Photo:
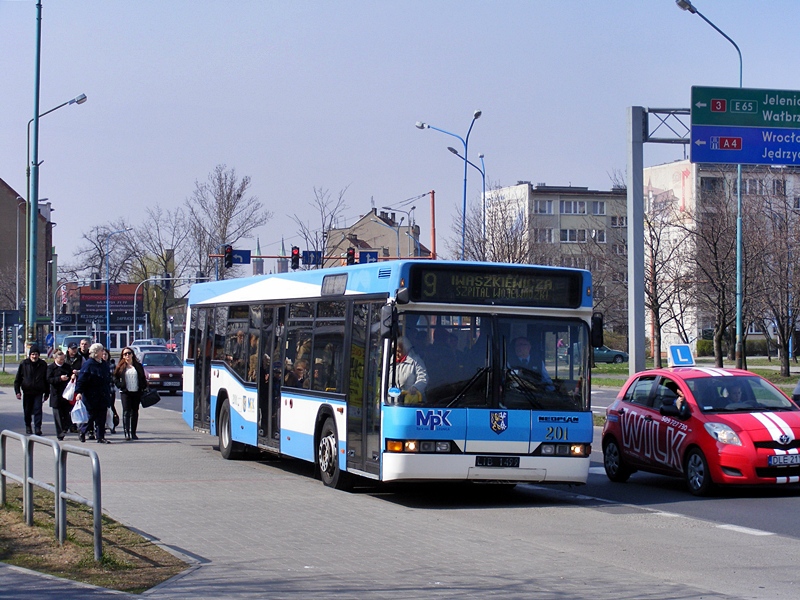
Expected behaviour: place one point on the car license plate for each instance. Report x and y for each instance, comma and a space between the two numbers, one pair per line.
779, 460
171, 383
497, 461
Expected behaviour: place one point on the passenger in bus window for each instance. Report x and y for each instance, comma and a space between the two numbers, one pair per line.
297, 376
412, 376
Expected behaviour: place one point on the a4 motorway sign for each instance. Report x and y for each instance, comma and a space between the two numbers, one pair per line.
745, 126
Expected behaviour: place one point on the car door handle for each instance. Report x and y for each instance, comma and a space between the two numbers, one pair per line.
648, 418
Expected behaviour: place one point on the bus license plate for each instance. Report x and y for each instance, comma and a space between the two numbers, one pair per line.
497, 461
783, 459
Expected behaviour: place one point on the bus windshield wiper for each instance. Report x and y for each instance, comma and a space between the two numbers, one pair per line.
462, 392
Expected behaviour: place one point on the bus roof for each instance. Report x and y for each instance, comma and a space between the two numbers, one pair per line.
373, 278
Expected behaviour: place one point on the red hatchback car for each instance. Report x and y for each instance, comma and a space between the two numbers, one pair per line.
710, 426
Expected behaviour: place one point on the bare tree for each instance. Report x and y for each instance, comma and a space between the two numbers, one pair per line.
95, 246
505, 238
667, 291
713, 227
776, 282
220, 212
328, 210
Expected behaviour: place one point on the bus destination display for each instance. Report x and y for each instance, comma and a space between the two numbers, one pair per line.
516, 287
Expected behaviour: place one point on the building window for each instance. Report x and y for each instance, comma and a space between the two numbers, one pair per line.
598, 208
543, 207
620, 277
573, 207
797, 202
619, 221
543, 236
620, 249
599, 236
573, 236
711, 185
778, 187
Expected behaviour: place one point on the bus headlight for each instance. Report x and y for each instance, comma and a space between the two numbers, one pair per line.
579, 450
419, 446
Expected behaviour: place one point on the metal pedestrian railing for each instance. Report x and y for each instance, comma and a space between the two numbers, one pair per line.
59, 486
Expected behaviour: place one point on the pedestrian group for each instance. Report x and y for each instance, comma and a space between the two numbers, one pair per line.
86, 373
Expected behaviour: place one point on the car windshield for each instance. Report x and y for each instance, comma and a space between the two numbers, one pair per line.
737, 394
166, 359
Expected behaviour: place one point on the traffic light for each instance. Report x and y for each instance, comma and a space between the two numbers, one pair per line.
295, 258
228, 256
351, 256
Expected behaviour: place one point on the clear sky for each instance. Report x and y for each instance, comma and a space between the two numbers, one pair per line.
303, 94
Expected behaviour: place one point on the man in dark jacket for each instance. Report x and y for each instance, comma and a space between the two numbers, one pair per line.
30, 385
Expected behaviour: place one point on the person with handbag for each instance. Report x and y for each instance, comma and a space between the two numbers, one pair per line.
129, 377
58, 375
93, 388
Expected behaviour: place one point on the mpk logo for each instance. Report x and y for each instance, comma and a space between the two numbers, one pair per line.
433, 419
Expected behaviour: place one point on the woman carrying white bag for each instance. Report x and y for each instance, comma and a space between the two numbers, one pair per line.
58, 376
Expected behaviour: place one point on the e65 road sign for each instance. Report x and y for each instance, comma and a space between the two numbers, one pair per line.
745, 126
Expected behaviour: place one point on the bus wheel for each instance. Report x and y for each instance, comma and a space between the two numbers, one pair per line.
328, 458
227, 447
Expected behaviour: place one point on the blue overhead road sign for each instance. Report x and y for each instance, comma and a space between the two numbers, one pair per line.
241, 257
745, 126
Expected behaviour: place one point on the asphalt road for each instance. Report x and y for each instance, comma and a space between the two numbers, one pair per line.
265, 528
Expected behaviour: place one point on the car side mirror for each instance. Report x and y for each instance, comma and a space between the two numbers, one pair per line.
671, 410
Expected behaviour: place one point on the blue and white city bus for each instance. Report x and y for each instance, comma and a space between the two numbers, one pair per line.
305, 365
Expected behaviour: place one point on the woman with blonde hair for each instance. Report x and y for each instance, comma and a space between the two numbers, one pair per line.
93, 388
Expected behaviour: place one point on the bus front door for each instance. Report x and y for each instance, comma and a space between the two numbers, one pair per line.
202, 369
363, 398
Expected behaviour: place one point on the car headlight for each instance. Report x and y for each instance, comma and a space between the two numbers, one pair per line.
723, 434
154, 376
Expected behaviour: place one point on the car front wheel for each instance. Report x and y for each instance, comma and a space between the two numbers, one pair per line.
696, 472
616, 470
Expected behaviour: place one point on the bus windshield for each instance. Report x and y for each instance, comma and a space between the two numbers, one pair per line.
497, 361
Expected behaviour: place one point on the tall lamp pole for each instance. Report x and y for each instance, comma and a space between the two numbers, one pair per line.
32, 176
688, 6
465, 142
410, 223
108, 285
482, 171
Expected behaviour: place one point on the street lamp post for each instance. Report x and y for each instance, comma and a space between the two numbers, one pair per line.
395, 229
410, 222
688, 6
482, 171
20, 202
32, 176
465, 142
108, 285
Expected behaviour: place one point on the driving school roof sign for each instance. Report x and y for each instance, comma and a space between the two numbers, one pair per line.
745, 126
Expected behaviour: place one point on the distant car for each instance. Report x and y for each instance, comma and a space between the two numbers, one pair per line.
141, 349
731, 427
149, 342
605, 354
164, 371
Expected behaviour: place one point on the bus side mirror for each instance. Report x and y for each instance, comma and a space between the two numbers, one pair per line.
388, 320
402, 296
597, 330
